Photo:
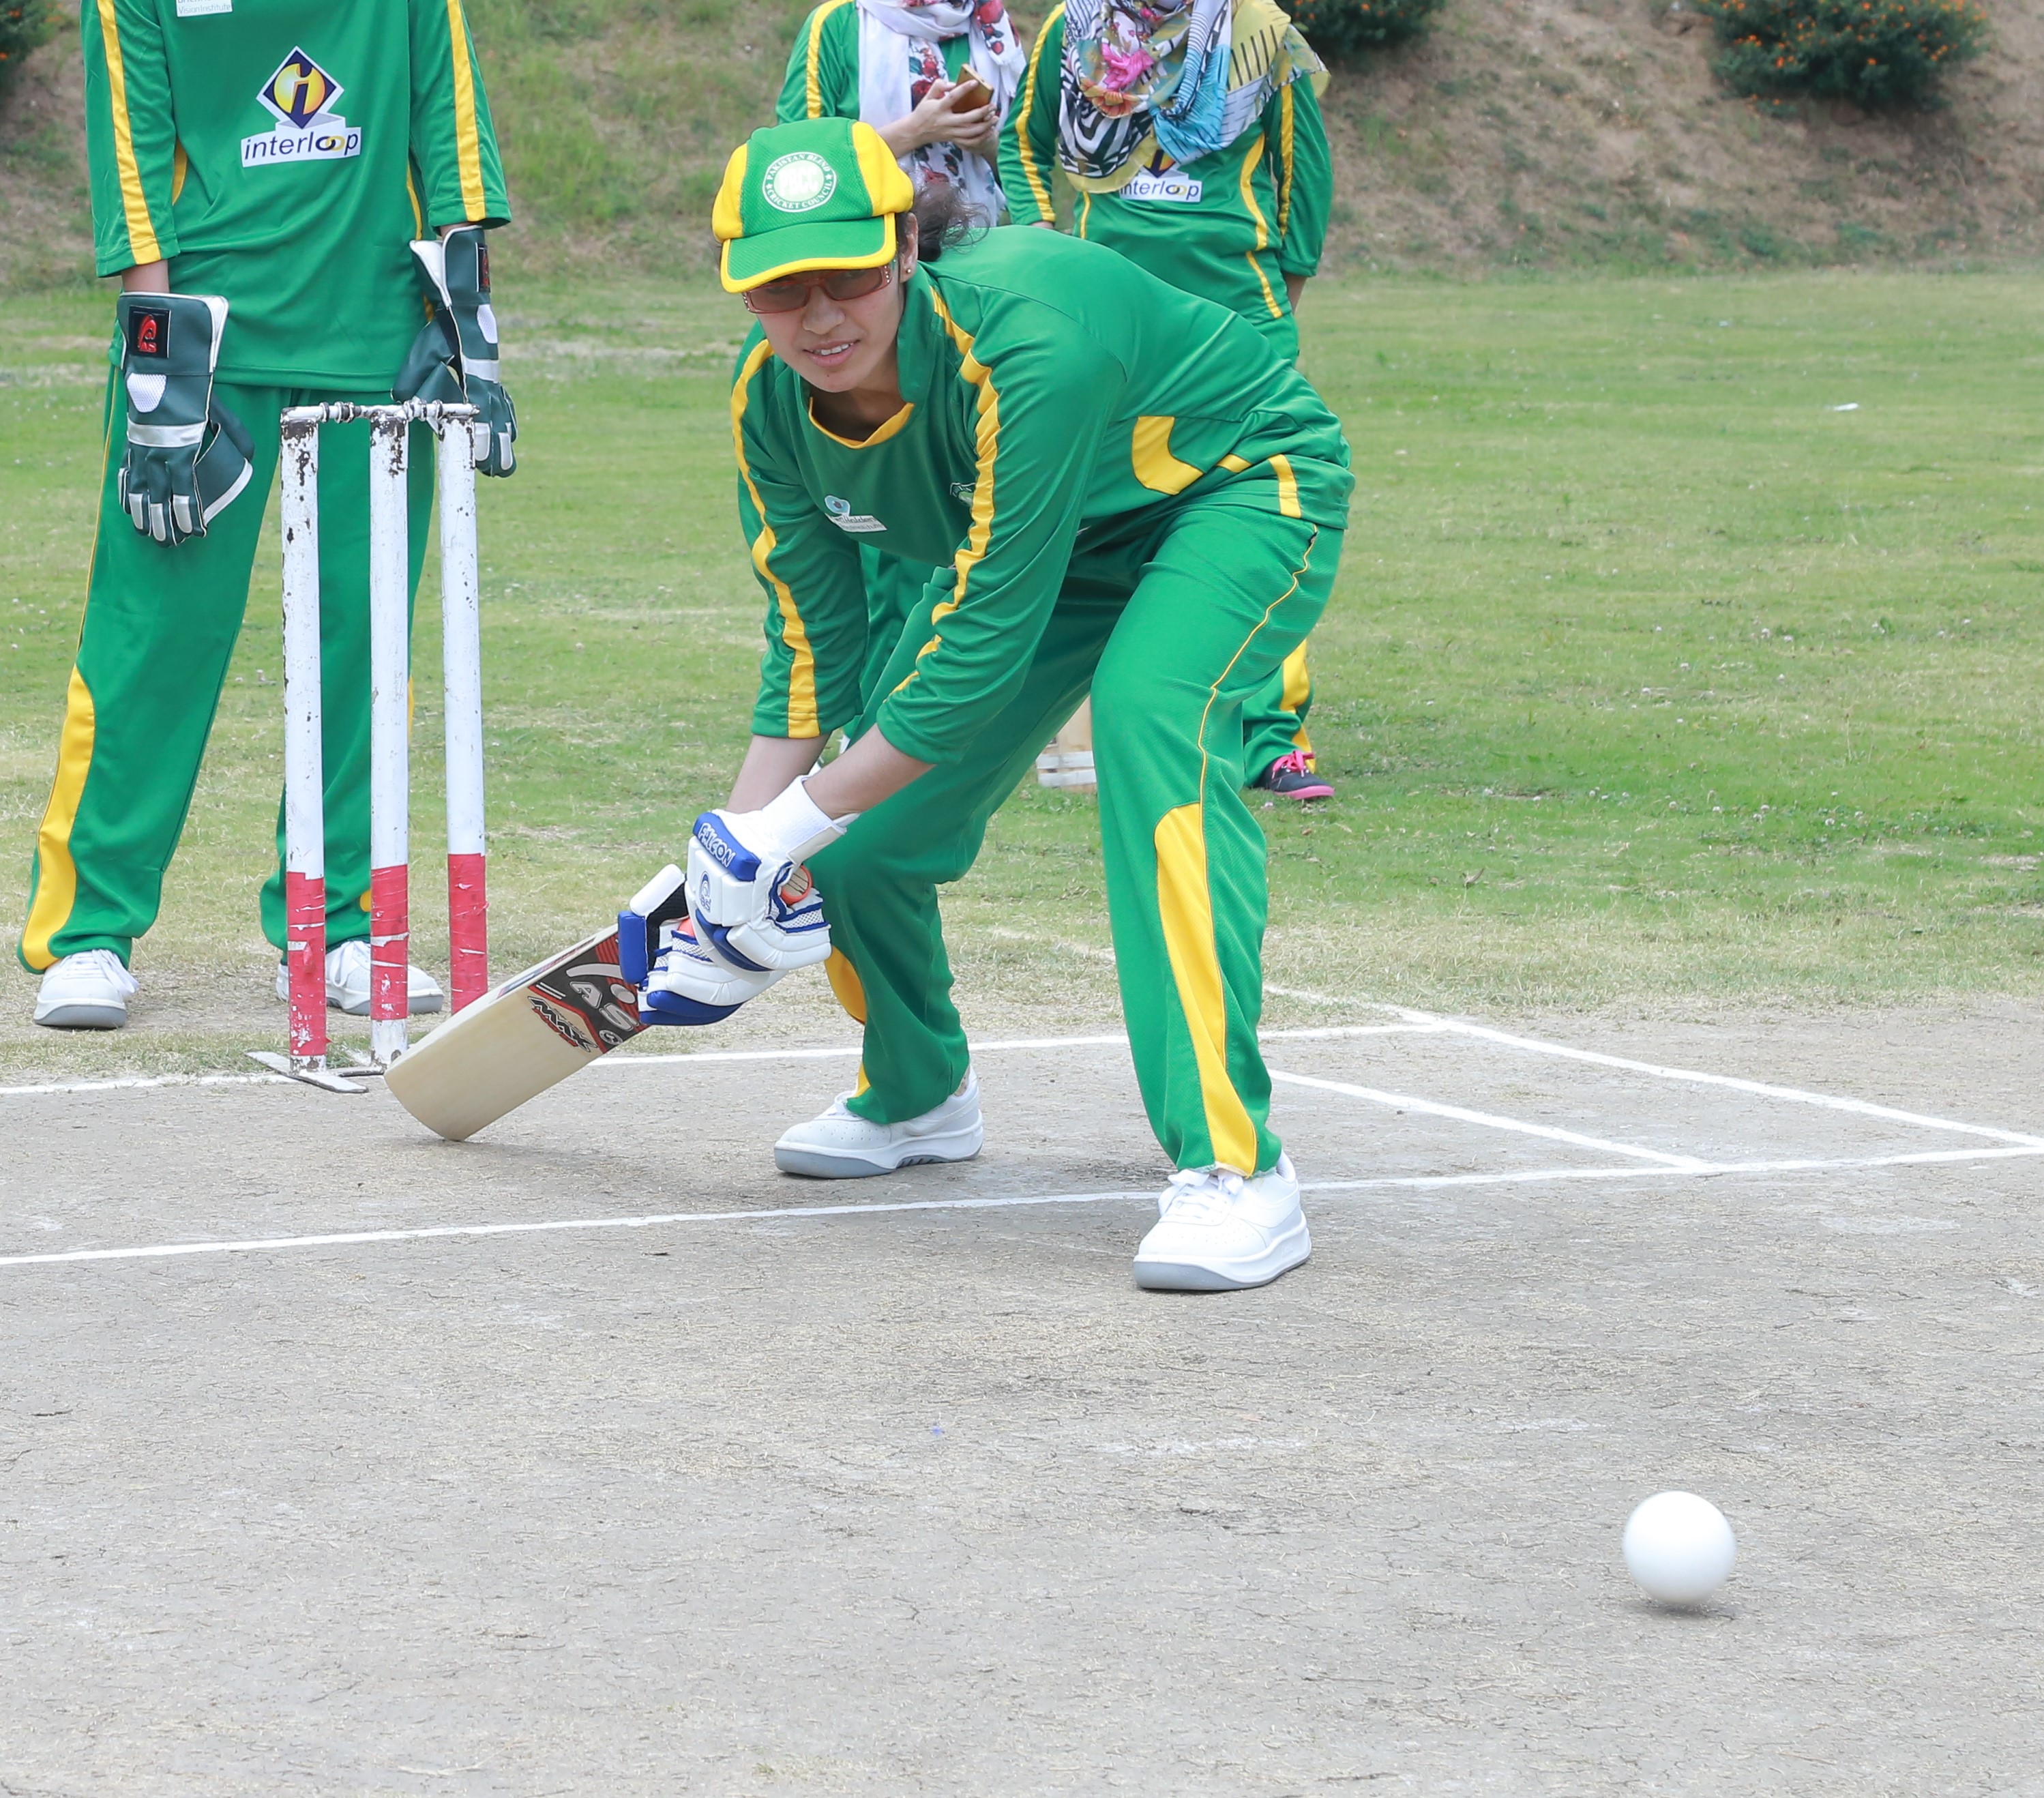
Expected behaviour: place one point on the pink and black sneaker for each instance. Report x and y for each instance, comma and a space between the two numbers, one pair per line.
1292, 777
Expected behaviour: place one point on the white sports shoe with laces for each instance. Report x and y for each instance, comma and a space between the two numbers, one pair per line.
348, 982
87, 991
1216, 1232
839, 1145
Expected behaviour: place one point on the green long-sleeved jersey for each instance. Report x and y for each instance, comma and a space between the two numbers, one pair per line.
284, 153
823, 67
1051, 387
1230, 226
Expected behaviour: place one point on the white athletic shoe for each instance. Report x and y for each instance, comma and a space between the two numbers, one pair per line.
841, 1146
1216, 1231
348, 982
87, 991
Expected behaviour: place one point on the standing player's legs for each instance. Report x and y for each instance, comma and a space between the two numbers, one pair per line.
879, 882
1276, 753
1228, 593
344, 548
159, 627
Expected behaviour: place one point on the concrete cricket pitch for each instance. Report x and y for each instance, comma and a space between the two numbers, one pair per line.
904, 1500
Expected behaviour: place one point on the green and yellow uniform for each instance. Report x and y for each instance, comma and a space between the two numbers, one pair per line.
1129, 492
282, 153
1229, 226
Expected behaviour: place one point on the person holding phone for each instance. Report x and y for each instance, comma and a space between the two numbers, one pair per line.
935, 78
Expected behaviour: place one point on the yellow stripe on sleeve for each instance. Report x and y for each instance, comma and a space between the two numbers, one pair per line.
1262, 229
813, 85
468, 141
1287, 488
794, 633
1155, 467
1284, 161
142, 243
56, 874
987, 436
1039, 189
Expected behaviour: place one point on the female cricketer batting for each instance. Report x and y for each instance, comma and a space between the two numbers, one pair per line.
1190, 133
1132, 492
267, 179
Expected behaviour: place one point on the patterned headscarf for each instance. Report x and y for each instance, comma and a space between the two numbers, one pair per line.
1186, 76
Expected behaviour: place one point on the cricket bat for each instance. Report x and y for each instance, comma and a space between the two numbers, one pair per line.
537, 1028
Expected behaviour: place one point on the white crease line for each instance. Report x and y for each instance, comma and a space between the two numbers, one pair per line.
132, 1081
987, 1047
1418, 1181
629, 1060
1490, 1120
1862, 1107
1795, 1094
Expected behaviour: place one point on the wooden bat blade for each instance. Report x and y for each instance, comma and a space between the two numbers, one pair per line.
523, 1036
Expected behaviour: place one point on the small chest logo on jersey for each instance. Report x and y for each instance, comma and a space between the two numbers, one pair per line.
301, 96
842, 516
1172, 185
964, 490
203, 9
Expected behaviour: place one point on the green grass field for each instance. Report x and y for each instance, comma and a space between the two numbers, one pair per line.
1683, 654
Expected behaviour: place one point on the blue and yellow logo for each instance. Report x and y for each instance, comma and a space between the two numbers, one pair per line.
300, 91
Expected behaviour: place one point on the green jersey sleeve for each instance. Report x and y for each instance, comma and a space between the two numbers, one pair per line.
1305, 176
809, 569
131, 136
454, 143
1042, 406
822, 81
1029, 140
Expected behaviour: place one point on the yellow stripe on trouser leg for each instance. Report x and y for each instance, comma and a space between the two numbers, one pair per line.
1226, 590
1185, 905
845, 983
1273, 718
56, 875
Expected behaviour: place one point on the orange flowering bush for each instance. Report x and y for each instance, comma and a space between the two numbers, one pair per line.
24, 24
1877, 52
1348, 27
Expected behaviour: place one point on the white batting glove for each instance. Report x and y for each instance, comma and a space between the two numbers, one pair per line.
751, 899
688, 986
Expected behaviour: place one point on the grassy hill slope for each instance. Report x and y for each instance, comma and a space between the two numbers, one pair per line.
1542, 133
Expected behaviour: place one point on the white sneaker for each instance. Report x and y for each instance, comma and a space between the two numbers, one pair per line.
348, 982
1216, 1231
87, 991
839, 1145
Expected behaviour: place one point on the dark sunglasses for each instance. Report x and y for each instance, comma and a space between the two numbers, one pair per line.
793, 294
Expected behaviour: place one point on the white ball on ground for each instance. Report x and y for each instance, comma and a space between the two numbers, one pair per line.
1678, 1547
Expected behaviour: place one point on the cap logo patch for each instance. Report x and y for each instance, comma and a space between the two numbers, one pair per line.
797, 182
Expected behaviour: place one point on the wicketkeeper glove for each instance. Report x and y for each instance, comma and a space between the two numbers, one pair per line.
187, 457
453, 359
753, 903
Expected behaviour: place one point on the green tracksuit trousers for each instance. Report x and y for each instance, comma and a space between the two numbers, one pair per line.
1273, 717
161, 625
1173, 622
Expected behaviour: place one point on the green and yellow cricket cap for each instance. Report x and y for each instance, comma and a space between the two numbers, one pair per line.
820, 192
